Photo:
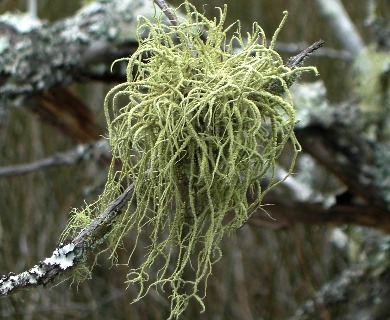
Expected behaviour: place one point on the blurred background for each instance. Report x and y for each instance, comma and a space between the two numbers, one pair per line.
265, 273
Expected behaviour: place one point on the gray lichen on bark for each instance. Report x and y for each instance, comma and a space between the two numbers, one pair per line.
361, 292
43, 55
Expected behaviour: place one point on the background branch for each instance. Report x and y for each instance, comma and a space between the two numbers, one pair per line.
342, 25
167, 11
329, 53
97, 151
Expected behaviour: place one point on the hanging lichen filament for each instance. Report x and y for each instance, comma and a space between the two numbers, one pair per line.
200, 131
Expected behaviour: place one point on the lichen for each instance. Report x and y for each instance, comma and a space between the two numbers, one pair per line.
196, 129
62, 256
382, 170
371, 79
22, 22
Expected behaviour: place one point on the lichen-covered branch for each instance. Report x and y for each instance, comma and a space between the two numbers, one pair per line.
36, 55
67, 256
38, 59
348, 156
333, 294
63, 257
361, 292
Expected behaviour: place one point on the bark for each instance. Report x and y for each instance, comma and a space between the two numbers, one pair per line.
67, 256
39, 58
44, 55
361, 292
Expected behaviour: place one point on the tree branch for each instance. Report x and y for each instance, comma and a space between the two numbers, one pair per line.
67, 256
288, 214
366, 282
46, 55
97, 150
329, 53
344, 29
167, 11
348, 156
299, 59
332, 294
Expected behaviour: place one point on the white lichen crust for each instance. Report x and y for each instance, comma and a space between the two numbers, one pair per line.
63, 257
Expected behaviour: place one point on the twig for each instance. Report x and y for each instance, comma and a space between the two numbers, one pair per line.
97, 150
298, 60
67, 256
294, 62
167, 11
295, 48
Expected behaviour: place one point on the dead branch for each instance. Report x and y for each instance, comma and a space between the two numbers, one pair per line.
300, 58
67, 256
328, 53
96, 151
167, 11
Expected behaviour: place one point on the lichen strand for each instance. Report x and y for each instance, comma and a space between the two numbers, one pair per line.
198, 134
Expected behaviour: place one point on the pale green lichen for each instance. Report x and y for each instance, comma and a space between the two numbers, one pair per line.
371, 84
198, 132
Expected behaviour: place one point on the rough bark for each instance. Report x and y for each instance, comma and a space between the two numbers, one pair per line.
361, 292
67, 256
39, 58
42, 55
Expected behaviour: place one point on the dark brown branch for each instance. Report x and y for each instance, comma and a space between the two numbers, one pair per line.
62, 109
276, 86
67, 256
299, 59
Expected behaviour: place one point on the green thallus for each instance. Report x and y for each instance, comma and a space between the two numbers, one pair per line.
199, 130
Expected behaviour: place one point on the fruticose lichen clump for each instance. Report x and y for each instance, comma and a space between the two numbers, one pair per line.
199, 132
